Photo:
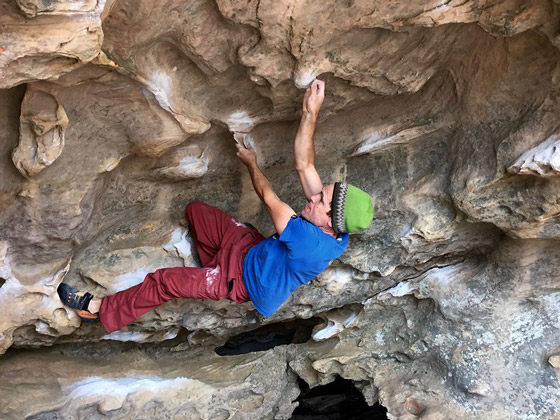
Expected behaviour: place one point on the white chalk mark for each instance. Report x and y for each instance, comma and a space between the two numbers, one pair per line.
43, 328
128, 280
336, 279
212, 276
249, 141
401, 289
333, 328
180, 246
110, 394
237, 222
337, 322
171, 334
240, 121
375, 142
187, 168
138, 337
305, 78
160, 85
5, 268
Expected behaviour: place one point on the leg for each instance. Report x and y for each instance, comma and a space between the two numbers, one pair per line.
123, 307
211, 228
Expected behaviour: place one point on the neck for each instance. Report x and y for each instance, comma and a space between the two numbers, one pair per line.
328, 230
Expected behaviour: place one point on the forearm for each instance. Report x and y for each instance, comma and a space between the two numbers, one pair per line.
280, 213
304, 148
262, 186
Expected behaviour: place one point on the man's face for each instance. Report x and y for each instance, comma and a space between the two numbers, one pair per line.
317, 211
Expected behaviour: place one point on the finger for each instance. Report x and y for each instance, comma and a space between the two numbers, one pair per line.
320, 87
306, 98
316, 88
313, 86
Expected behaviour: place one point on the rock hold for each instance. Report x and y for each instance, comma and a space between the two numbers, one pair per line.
554, 361
42, 126
543, 160
414, 407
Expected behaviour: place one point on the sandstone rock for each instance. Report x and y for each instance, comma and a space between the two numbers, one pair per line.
74, 37
119, 113
32, 8
42, 125
28, 296
249, 386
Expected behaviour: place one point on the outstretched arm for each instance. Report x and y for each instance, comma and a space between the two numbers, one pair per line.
280, 212
304, 149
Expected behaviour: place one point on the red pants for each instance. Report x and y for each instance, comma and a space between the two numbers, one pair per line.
221, 241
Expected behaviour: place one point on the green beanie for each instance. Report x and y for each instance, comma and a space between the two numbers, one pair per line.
352, 208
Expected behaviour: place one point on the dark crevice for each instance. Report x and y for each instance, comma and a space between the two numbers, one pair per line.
2, 281
338, 400
269, 336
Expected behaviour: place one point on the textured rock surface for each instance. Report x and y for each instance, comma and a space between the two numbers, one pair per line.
42, 125
149, 385
116, 114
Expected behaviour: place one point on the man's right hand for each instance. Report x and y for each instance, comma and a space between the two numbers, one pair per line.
313, 99
247, 155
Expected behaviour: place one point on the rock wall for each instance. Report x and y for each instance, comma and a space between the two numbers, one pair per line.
116, 113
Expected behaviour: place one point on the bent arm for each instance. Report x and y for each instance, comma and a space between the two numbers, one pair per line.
279, 212
304, 147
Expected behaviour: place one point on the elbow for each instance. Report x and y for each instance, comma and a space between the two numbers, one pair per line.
269, 197
303, 167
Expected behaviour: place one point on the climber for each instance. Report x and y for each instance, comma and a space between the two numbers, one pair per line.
237, 262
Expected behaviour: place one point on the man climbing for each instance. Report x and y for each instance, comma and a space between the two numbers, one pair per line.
237, 262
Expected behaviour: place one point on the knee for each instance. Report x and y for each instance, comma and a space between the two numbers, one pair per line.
193, 208
159, 279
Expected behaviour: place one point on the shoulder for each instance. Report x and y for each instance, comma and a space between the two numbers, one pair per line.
299, 232
304, 227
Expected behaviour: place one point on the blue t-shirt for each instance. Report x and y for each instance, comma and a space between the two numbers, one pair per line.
277, 266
